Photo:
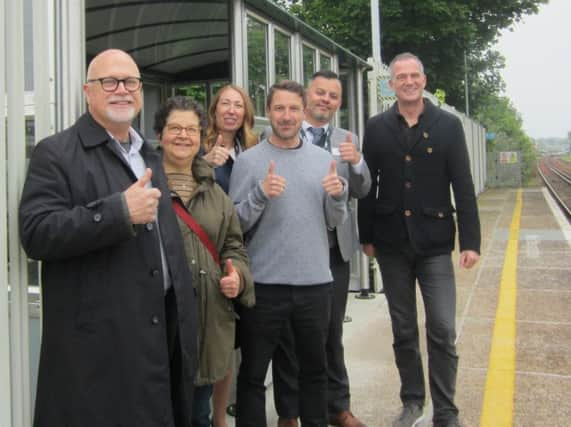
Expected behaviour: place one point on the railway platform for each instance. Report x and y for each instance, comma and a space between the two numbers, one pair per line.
513, 325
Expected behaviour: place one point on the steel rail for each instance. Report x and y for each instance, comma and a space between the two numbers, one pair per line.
555, 194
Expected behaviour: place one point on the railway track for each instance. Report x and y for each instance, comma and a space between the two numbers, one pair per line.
556, 174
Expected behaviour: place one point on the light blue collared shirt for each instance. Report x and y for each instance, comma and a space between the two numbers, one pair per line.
135, 160
307, 136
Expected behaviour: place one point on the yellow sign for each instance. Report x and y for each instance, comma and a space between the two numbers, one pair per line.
508, 157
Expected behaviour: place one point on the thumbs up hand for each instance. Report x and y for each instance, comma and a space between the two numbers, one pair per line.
218, 154
332, 183
273, 184
230, 284
348, 151
142, 202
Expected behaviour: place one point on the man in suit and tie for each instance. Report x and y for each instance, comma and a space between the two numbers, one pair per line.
419, 152
323, 100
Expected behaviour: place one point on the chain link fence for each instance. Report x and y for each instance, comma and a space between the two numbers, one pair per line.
504, 169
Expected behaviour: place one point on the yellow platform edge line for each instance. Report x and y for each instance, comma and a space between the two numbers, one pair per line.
497, 407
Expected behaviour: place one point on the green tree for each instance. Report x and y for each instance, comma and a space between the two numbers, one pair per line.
440, 32
500, 117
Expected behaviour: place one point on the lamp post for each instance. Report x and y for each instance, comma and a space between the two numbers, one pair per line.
367, 283
376, 30
466, 92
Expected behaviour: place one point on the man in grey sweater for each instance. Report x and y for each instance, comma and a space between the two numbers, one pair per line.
287, 194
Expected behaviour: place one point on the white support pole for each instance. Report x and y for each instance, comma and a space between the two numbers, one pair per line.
375, 60
239, 76
360, 108
372, 82
297, 56
376, 30
43, 70
466, 90
17, 275
363, 259
271, 54
5, 384
70, 61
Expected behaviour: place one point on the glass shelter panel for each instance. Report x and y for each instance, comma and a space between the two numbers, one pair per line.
257, 63
344, 120
324, 62
177, 44
282, 55
308, 63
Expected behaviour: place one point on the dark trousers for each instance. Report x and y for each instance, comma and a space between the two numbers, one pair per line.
180, 395
306, 309
201, 405
284, 363
435, 276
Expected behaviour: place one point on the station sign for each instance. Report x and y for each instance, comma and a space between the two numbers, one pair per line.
385, 89
508, 157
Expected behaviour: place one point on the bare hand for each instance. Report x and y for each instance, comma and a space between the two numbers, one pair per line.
369, 249
332, 184
349, 152
273, 184
230, 284
468, 258
142, 202
218, 155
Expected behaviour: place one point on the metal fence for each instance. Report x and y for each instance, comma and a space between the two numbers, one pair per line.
504, 169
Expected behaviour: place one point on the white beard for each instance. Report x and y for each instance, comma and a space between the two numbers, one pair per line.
126, 116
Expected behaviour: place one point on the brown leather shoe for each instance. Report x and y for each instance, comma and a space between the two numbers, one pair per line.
345, 419
287, 422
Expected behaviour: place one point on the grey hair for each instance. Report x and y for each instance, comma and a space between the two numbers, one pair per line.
403, 57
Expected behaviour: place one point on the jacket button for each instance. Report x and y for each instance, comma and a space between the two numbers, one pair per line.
155, 319
407, 212
97, 217
408, 185
440, 215
407, 158
154, 272
149, 226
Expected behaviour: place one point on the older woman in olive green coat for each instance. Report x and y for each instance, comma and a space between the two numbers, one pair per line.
178, 124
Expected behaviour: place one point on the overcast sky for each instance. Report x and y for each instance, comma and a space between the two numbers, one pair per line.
538, 69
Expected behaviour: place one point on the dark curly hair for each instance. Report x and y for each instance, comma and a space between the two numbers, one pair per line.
178, 103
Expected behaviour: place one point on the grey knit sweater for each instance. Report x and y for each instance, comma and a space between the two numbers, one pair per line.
286, 236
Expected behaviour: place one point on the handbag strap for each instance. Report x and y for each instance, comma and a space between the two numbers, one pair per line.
198, 230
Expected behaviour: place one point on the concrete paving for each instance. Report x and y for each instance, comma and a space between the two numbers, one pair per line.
543, 324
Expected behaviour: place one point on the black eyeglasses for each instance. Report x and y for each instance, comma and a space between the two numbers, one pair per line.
110, 84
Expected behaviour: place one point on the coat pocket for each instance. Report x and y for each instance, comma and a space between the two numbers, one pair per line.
438, 212
438, 224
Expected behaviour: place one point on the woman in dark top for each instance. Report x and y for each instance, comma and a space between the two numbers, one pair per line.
230, 131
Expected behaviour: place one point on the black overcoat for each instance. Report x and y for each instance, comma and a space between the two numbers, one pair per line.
104, 358
410, 198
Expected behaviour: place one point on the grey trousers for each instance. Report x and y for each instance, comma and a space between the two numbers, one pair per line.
435, 275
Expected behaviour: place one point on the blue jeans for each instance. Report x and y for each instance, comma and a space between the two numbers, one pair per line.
201, 406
